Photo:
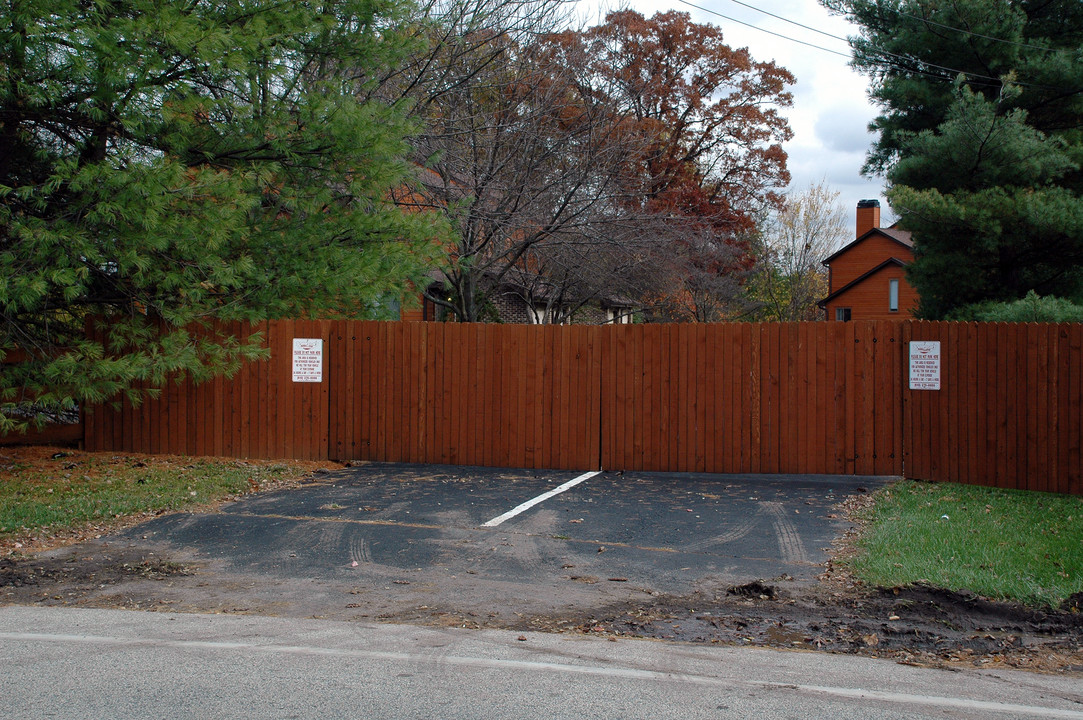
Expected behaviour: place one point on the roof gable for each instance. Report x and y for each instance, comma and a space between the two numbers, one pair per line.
861, 278
900, 237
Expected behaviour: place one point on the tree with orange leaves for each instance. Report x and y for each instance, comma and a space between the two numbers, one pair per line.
710, 160
641, 142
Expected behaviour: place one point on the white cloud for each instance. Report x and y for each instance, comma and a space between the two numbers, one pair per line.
844, 128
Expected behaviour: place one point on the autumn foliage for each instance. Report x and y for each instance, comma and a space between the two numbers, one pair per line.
631, 157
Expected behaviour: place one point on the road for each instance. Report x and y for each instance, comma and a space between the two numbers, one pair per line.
87, 664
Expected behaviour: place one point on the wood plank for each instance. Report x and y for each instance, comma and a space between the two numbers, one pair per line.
1038, 420
588, 434
548, 388
270, 406
712, 361
662, 357
441, 409
355, 390
362, 368
819, 447
1058, 338
456, 373
522, 389
685, 417
948, 401
968, 404
728, 398
1005, 399
798, 412
606, 405
450, 379
876, 405
838, 352
400, 368
383, 392
988, 404
978, 404
621, 448
638, 435
571, 419
746, 378
254, 433
642, 430
1025, 475
888, 396
594, 388
563, 404
702, 395
334, 376
429, 373
787, 444
1075, 411
581, 397
498, 366
335, 351
899, 381
909, 457
323, 445
411, 389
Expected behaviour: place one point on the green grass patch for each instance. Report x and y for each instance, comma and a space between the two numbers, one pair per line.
65, 492
1001, 544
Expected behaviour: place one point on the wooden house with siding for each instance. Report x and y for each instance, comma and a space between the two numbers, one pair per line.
867, 278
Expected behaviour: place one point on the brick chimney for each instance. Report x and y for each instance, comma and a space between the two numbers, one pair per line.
868, 216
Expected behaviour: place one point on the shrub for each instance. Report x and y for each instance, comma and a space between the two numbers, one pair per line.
1032, 308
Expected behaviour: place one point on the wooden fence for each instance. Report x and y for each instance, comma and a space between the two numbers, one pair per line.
754, 398
259, 412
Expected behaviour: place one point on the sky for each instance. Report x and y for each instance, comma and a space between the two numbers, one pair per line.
830, 110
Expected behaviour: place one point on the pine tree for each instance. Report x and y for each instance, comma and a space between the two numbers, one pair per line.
172, 163
982, 196
981, 139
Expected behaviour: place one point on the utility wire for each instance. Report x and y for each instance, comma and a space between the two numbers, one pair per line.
974, 34
771, 32
900, 59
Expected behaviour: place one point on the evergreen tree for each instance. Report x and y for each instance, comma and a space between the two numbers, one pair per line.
170, 163
993, 221
981, 140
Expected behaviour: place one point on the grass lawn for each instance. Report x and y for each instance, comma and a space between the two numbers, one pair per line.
1001, 544
54, 491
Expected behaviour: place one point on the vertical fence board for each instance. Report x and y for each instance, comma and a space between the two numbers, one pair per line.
1075, 411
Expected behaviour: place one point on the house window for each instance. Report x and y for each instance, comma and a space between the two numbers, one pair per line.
893, 295
842, 314
618, 316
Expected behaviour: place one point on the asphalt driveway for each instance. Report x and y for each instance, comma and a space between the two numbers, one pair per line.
414, 536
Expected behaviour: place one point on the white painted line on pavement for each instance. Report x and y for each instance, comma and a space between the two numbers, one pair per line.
969, 705
541, 498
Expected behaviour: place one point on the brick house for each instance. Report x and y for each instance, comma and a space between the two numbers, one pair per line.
867, 278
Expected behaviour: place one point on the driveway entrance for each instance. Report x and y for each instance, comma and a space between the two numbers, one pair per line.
383, 539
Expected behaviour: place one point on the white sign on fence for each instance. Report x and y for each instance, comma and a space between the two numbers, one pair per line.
307, 360
924, 364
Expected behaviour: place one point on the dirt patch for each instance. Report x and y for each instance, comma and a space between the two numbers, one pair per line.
917, 625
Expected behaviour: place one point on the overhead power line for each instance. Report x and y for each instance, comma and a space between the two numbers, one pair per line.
902, 62
974, 34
